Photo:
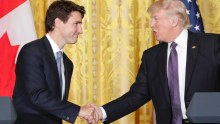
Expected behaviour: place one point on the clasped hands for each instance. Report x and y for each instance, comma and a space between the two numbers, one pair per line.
91, 113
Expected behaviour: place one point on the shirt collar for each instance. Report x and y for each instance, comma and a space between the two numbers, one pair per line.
54, 46
181, 40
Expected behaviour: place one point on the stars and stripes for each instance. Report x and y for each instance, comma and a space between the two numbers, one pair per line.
194, 15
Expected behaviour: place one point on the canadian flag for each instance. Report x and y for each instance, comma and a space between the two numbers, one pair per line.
16, 29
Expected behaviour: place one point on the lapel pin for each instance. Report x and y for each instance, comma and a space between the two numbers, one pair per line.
193, 47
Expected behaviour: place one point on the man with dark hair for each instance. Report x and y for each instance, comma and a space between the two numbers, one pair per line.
43, 70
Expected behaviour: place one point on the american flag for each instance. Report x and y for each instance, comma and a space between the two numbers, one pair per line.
194, 15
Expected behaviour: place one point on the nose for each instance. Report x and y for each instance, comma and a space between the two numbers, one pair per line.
79, 29
152, 23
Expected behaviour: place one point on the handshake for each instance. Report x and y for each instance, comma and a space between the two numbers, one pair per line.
91, 113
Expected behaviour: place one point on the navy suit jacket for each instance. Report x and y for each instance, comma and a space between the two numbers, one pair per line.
202, 75
37, 93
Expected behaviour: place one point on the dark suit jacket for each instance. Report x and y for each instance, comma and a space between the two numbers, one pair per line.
202, 75
37, 93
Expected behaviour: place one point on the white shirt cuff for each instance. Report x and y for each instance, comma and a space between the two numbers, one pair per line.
104, 115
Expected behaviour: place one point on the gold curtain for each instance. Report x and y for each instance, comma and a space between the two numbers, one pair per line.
108, 54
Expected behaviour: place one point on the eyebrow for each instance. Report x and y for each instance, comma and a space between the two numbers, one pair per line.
78, 22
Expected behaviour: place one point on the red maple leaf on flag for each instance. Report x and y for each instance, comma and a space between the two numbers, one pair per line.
7, 64
15, 18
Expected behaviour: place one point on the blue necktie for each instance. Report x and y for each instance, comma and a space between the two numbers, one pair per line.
59, 65
173, 82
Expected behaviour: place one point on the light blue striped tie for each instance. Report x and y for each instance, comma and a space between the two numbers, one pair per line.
59, 63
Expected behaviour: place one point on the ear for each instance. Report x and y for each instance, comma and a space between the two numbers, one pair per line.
57, 22
174, 21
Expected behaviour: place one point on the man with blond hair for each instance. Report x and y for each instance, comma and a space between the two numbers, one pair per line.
172, 71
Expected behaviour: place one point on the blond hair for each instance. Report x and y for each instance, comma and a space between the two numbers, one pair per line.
172, 8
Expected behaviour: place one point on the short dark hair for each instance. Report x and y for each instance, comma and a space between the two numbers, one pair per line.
61, 9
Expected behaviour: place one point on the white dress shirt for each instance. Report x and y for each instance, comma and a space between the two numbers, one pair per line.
181, 49
55, 49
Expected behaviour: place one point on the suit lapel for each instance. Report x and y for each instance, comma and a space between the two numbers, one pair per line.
192, 52
52, 58
163, 72
66, 73
49, 50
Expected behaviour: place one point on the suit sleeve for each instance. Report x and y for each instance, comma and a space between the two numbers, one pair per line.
31, 74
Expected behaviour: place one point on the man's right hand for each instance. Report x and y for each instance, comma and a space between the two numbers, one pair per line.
89, 113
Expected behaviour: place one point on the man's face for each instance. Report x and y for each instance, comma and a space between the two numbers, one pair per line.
161, 25
72, 28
